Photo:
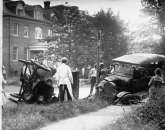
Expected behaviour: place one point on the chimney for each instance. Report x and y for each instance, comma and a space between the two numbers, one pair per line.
46, 4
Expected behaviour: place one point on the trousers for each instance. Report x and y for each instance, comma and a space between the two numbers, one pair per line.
64, 93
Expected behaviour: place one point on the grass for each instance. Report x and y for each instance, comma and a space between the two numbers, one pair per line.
130, 122
149, 116
153, 112
143, 118
29, 117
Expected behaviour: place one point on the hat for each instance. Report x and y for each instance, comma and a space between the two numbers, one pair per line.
64, 59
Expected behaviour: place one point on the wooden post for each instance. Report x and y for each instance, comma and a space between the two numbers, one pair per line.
75, 86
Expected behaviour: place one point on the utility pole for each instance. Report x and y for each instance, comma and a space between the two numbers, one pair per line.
98, 55
67, 22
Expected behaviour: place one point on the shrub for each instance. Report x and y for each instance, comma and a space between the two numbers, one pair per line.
153, 112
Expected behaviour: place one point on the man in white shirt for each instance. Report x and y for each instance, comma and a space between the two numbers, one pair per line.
93, 75
64, 80
83, 72
4, 97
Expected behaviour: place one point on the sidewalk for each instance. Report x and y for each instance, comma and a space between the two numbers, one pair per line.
91, 121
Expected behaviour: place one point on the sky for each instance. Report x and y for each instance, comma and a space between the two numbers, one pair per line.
127, 9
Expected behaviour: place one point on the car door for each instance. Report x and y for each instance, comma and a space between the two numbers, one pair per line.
139, 82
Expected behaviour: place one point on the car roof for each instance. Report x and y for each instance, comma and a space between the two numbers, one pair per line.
139, 58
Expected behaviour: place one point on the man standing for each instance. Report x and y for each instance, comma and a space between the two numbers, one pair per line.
93, 75
4, 97
4, 72
64, 81
83, 72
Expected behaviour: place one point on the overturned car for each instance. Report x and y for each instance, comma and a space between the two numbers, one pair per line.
36, 83
130, 73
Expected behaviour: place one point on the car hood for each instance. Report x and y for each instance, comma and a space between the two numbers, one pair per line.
114, 77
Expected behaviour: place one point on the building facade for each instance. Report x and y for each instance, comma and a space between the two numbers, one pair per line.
24, 32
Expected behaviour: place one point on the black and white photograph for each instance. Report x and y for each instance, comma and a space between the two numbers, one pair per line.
82, 64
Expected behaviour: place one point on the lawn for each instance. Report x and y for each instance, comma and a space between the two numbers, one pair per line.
149, 116
33, 116
129, 122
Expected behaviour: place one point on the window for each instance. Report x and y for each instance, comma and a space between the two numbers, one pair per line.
15, 29
15, 53
26, 53
49, 32
26, 31
20, 10
37, 15
38, 33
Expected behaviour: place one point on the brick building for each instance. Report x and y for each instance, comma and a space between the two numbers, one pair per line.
24, 30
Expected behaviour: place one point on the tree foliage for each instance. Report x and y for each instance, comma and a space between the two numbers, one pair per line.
157, 7
114, 42
77, 38
158, 4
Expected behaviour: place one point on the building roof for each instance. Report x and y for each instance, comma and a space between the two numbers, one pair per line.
140, 58
11, 5
49, 14
9, 9
27, 18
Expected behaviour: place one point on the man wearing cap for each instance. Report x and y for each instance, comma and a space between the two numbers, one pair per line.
64, 81
102, 71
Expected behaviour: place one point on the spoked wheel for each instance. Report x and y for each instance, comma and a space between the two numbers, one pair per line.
27, 95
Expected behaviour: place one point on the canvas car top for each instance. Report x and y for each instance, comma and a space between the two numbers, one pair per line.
140, 58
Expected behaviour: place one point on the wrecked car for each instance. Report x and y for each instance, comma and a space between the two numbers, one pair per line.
130, 73
36, 83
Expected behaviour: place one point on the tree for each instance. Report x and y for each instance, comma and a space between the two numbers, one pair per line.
157, 7
157, 4
77, 37
74, 39
114, 42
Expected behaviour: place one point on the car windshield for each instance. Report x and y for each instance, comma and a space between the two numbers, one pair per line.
123, 69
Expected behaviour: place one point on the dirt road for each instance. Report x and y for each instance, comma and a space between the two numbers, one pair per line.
91, 121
